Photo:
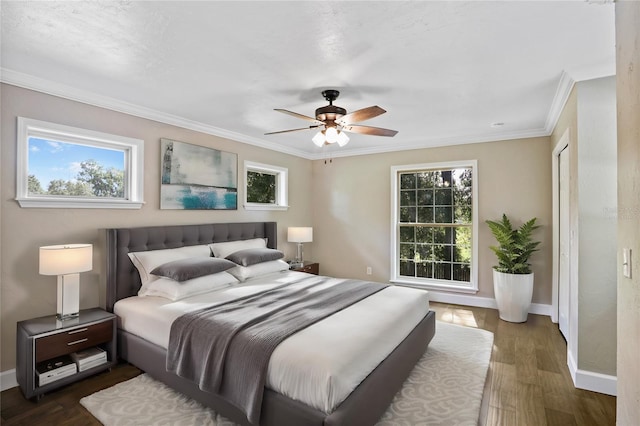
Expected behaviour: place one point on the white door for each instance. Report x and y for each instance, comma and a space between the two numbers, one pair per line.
564, 237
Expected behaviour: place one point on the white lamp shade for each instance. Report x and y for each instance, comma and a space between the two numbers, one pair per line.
66, 259
300, 234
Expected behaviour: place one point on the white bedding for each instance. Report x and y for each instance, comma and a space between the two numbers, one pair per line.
320, 365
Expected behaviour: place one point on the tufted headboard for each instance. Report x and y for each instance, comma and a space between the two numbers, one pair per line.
123, 279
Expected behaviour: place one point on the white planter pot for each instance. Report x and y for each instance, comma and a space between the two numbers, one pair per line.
513, 294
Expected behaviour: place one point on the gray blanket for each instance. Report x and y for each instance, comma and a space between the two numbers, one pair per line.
226, 348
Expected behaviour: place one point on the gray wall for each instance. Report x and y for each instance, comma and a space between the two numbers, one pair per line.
589, 115
352, 206
26, 294
596, 203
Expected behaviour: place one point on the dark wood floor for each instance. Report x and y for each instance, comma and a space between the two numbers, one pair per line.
528, 381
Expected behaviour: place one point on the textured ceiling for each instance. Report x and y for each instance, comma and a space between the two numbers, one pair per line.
444, 71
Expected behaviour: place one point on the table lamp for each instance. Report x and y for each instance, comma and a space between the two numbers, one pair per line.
67, 261
299, 235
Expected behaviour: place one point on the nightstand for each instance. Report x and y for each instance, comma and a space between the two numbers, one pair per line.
43, 339
307, 266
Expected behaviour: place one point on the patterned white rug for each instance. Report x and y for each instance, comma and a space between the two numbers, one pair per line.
445, 388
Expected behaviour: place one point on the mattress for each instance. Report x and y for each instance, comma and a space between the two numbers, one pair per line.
318, 366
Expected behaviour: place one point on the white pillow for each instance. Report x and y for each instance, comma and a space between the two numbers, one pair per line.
225, 249
176, 290
147, 261
245, 272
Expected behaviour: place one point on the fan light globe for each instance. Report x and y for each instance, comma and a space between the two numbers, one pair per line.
318, 139
331, 134
343, 139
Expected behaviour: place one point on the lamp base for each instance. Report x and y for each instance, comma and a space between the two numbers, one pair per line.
67, 317
293, 264
68, 296
299, 255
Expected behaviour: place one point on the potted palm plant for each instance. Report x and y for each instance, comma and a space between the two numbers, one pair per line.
512, 276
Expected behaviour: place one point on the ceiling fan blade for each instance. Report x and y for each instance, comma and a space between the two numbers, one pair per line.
292, 130
304, 117
368, 130
361, 115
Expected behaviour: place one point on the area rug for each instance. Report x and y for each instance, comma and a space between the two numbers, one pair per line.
445, 388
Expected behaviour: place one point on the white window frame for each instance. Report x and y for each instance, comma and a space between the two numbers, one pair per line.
430, 283
134, 165
282, 189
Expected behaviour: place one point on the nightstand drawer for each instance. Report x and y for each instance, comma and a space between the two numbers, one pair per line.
73, 340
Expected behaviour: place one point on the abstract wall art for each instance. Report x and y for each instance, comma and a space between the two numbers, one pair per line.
197, 178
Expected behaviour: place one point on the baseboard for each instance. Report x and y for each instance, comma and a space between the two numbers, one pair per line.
588, 380
8, 380
482, 302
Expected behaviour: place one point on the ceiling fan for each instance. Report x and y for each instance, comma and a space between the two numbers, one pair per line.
334, 122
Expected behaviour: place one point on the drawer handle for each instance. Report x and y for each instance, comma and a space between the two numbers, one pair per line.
76, 342
78, 331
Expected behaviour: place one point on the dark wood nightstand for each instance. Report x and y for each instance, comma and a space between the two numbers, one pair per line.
40, 340
307, 266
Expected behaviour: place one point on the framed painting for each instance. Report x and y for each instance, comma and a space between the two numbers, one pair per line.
197, 178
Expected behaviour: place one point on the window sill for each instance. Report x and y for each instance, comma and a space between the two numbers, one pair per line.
434, 286
265, 207
78, 204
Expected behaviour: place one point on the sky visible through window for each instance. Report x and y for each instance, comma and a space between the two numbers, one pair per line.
50, 160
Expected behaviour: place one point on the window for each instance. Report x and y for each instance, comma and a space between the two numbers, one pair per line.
67, 167
434, 229
265, 187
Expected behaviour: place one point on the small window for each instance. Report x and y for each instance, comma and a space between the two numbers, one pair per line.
266, 187
67, 167
435, 225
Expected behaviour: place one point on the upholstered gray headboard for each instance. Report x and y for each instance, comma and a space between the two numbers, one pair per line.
123, 279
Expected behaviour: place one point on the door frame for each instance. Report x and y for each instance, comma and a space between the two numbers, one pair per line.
555, 205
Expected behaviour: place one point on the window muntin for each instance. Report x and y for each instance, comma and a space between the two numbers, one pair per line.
265, 187
433, 227
62, 166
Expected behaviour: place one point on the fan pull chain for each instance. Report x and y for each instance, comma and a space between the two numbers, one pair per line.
330, 159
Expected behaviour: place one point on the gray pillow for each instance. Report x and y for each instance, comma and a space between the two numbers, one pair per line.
193, 267
252, 256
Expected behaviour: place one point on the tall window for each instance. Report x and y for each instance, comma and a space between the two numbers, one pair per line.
266, 187
63, 166
434, 230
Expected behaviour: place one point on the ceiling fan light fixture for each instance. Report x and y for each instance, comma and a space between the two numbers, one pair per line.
343, 139
331, 134
318, 139
335, 120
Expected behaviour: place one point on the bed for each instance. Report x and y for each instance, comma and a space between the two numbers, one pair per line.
363, 406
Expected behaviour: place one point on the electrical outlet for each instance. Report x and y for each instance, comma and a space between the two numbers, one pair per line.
368, 270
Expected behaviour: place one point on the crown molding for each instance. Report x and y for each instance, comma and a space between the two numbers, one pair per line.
49, 87
565, 85
431, 143
30, 82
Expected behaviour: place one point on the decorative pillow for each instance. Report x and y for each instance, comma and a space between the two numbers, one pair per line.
193, 267
225, 249
245, 272
147, 261
174, 290
252, 256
